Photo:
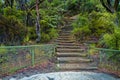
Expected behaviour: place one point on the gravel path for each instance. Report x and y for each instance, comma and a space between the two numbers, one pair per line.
69, 76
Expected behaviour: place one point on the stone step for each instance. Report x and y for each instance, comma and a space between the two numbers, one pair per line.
65, 31
69, 44
65, 36
73, 60
69, 47
71, 54
69, 50
64, 39
75, 66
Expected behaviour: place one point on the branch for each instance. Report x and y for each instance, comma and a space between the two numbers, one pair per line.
7, 3
116, 4
109, 3
110, 9
34, 6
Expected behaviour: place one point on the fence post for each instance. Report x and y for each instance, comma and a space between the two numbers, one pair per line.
33, 55
55, 48
100, 52
88, 49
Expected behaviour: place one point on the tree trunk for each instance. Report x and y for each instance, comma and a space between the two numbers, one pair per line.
116, 4
37, 22
109, 7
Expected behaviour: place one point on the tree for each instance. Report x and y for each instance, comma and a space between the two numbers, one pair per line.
9, 3
108, 5
28, 6
37, 21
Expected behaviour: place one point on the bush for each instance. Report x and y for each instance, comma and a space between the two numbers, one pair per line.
12, 31
81, 27
32, 33
3, 56
53, 33
112, 40
20, 15
96, 23
81, 21
73, 5
45, 37
81, 33
118, 18
48, 27
101, 23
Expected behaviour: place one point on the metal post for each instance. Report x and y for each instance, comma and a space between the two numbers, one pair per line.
100, 53
33, 56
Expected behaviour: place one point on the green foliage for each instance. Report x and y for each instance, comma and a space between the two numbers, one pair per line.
49, 20
96, 23
53, 33
48, 30
84, 6
49, 23
56, 3
112, 40
3, 57
81, 21
11, 30
81, 33
81, 27
72, 4
1, 7
101, 23
20, 15
45, 37
31, 33
118, 18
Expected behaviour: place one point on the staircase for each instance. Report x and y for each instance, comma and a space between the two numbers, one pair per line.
71, 55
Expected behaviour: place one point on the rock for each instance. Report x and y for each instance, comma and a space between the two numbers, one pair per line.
71, 76
13, 79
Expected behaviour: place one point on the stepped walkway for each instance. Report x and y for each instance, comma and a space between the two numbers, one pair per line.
71, 55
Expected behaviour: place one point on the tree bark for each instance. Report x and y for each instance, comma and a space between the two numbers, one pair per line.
37, 22
109, 7
116, 4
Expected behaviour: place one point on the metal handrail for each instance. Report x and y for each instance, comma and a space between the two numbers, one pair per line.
104, 49
25, 46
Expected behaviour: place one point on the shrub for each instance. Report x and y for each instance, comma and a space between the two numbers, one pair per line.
96, 23
81, 27
45, 37
81, 33
53, 33
48, 28
81, 21
101, 23
112, 40
20, 15
12, 30
3, 56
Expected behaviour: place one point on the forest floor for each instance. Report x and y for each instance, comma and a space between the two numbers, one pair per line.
27, 72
